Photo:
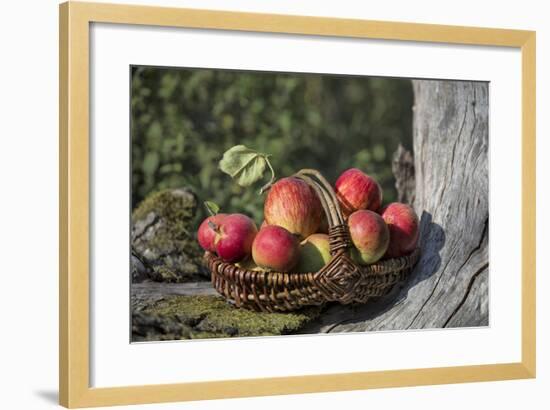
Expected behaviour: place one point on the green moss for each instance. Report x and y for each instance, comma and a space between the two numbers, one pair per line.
174, 205
176, 208
207, 335
212, 316
170, 245
152, 327
163, 274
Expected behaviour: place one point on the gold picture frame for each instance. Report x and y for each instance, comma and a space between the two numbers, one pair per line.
74, 308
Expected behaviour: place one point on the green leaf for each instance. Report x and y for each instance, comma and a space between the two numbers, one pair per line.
212, 207
244, 165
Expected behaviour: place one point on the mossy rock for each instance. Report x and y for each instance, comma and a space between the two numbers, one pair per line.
200, 317
163, 238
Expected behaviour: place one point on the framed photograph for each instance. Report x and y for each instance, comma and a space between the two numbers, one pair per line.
257, 204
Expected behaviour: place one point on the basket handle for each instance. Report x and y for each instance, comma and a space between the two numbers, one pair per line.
325, 193
338, 230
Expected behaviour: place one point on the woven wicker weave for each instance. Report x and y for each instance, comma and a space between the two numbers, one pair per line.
341, 280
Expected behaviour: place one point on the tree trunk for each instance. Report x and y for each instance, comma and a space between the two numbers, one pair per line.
449, 286
403, 169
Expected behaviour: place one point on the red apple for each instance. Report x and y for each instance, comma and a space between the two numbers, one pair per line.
403, 224
275, 249
356, 190
207, 231
234, 237
370, 236
314, 253
294, 205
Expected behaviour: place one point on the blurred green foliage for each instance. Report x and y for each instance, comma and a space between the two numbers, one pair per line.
182, 121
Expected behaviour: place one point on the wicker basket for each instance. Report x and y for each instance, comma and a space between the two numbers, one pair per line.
341, 280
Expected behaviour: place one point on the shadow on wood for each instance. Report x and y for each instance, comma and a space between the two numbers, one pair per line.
433, 240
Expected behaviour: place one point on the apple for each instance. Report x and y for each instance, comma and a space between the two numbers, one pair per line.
403, 224
314, 253
293, 205
233, 241
275, 248
206, 234
356, 190
370, 236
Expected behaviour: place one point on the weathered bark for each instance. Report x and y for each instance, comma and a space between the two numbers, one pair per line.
403, 169
154, 289
449, 286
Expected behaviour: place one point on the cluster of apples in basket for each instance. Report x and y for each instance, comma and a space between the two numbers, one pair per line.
294, 235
